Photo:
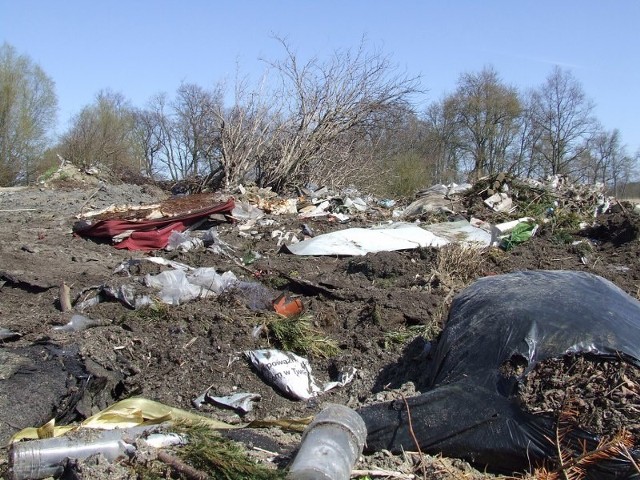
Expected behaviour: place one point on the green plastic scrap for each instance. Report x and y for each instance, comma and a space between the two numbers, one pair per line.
520, 234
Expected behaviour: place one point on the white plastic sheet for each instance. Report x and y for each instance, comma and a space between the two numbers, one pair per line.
391, 237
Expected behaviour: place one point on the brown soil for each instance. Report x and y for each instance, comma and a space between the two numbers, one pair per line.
370, 306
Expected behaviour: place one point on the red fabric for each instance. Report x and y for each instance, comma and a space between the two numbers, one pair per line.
150, 234
151, 239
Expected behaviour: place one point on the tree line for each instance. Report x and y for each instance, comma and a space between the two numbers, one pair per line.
349, 119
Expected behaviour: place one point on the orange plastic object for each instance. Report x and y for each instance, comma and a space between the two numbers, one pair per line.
287, 307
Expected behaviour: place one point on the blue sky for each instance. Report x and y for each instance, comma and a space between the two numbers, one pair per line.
144, 47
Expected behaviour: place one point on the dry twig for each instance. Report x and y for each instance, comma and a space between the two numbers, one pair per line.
180, 467
572, 466
413, 436
382, 473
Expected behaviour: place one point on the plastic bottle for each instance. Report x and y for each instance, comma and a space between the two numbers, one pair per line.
39, 459
330, 445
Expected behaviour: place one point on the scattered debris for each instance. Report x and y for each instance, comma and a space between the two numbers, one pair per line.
288, 372
177, 287
128, 413
436, 199
499, 202
352, 311
7, 335
183, 242
45, 458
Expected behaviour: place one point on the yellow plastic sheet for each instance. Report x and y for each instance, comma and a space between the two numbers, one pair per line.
132, 412
138, 411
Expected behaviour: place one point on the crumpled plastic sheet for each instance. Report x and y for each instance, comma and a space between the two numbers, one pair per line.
241, 402
177, 287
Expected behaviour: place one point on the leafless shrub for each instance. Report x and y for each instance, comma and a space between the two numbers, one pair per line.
327, 110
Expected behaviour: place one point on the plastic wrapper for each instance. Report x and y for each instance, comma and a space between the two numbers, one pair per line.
291, 374
288, 372
470, 411
8, 335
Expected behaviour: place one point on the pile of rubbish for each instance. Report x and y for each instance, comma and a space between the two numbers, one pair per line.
500, 329
521, 204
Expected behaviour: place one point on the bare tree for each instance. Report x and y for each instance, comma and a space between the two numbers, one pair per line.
442, 141
154, 131
195, 134
487, 113
322, 102
610, 162
180, 138
28, 107
562, 116
597, 160
523, 158
148, 136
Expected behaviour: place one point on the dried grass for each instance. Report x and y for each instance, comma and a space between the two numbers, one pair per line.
456, 267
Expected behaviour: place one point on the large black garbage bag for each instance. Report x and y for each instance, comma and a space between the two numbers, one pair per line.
469, 411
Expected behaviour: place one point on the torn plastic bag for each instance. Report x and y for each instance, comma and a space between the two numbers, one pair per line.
177, 287
391, 237
174, 286
125, 293
469, 411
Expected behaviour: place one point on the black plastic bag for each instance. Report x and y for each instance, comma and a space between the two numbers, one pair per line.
469, 411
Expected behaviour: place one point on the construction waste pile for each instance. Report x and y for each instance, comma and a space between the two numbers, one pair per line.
236, 334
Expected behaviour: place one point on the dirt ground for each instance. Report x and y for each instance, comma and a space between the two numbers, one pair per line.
374, 307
